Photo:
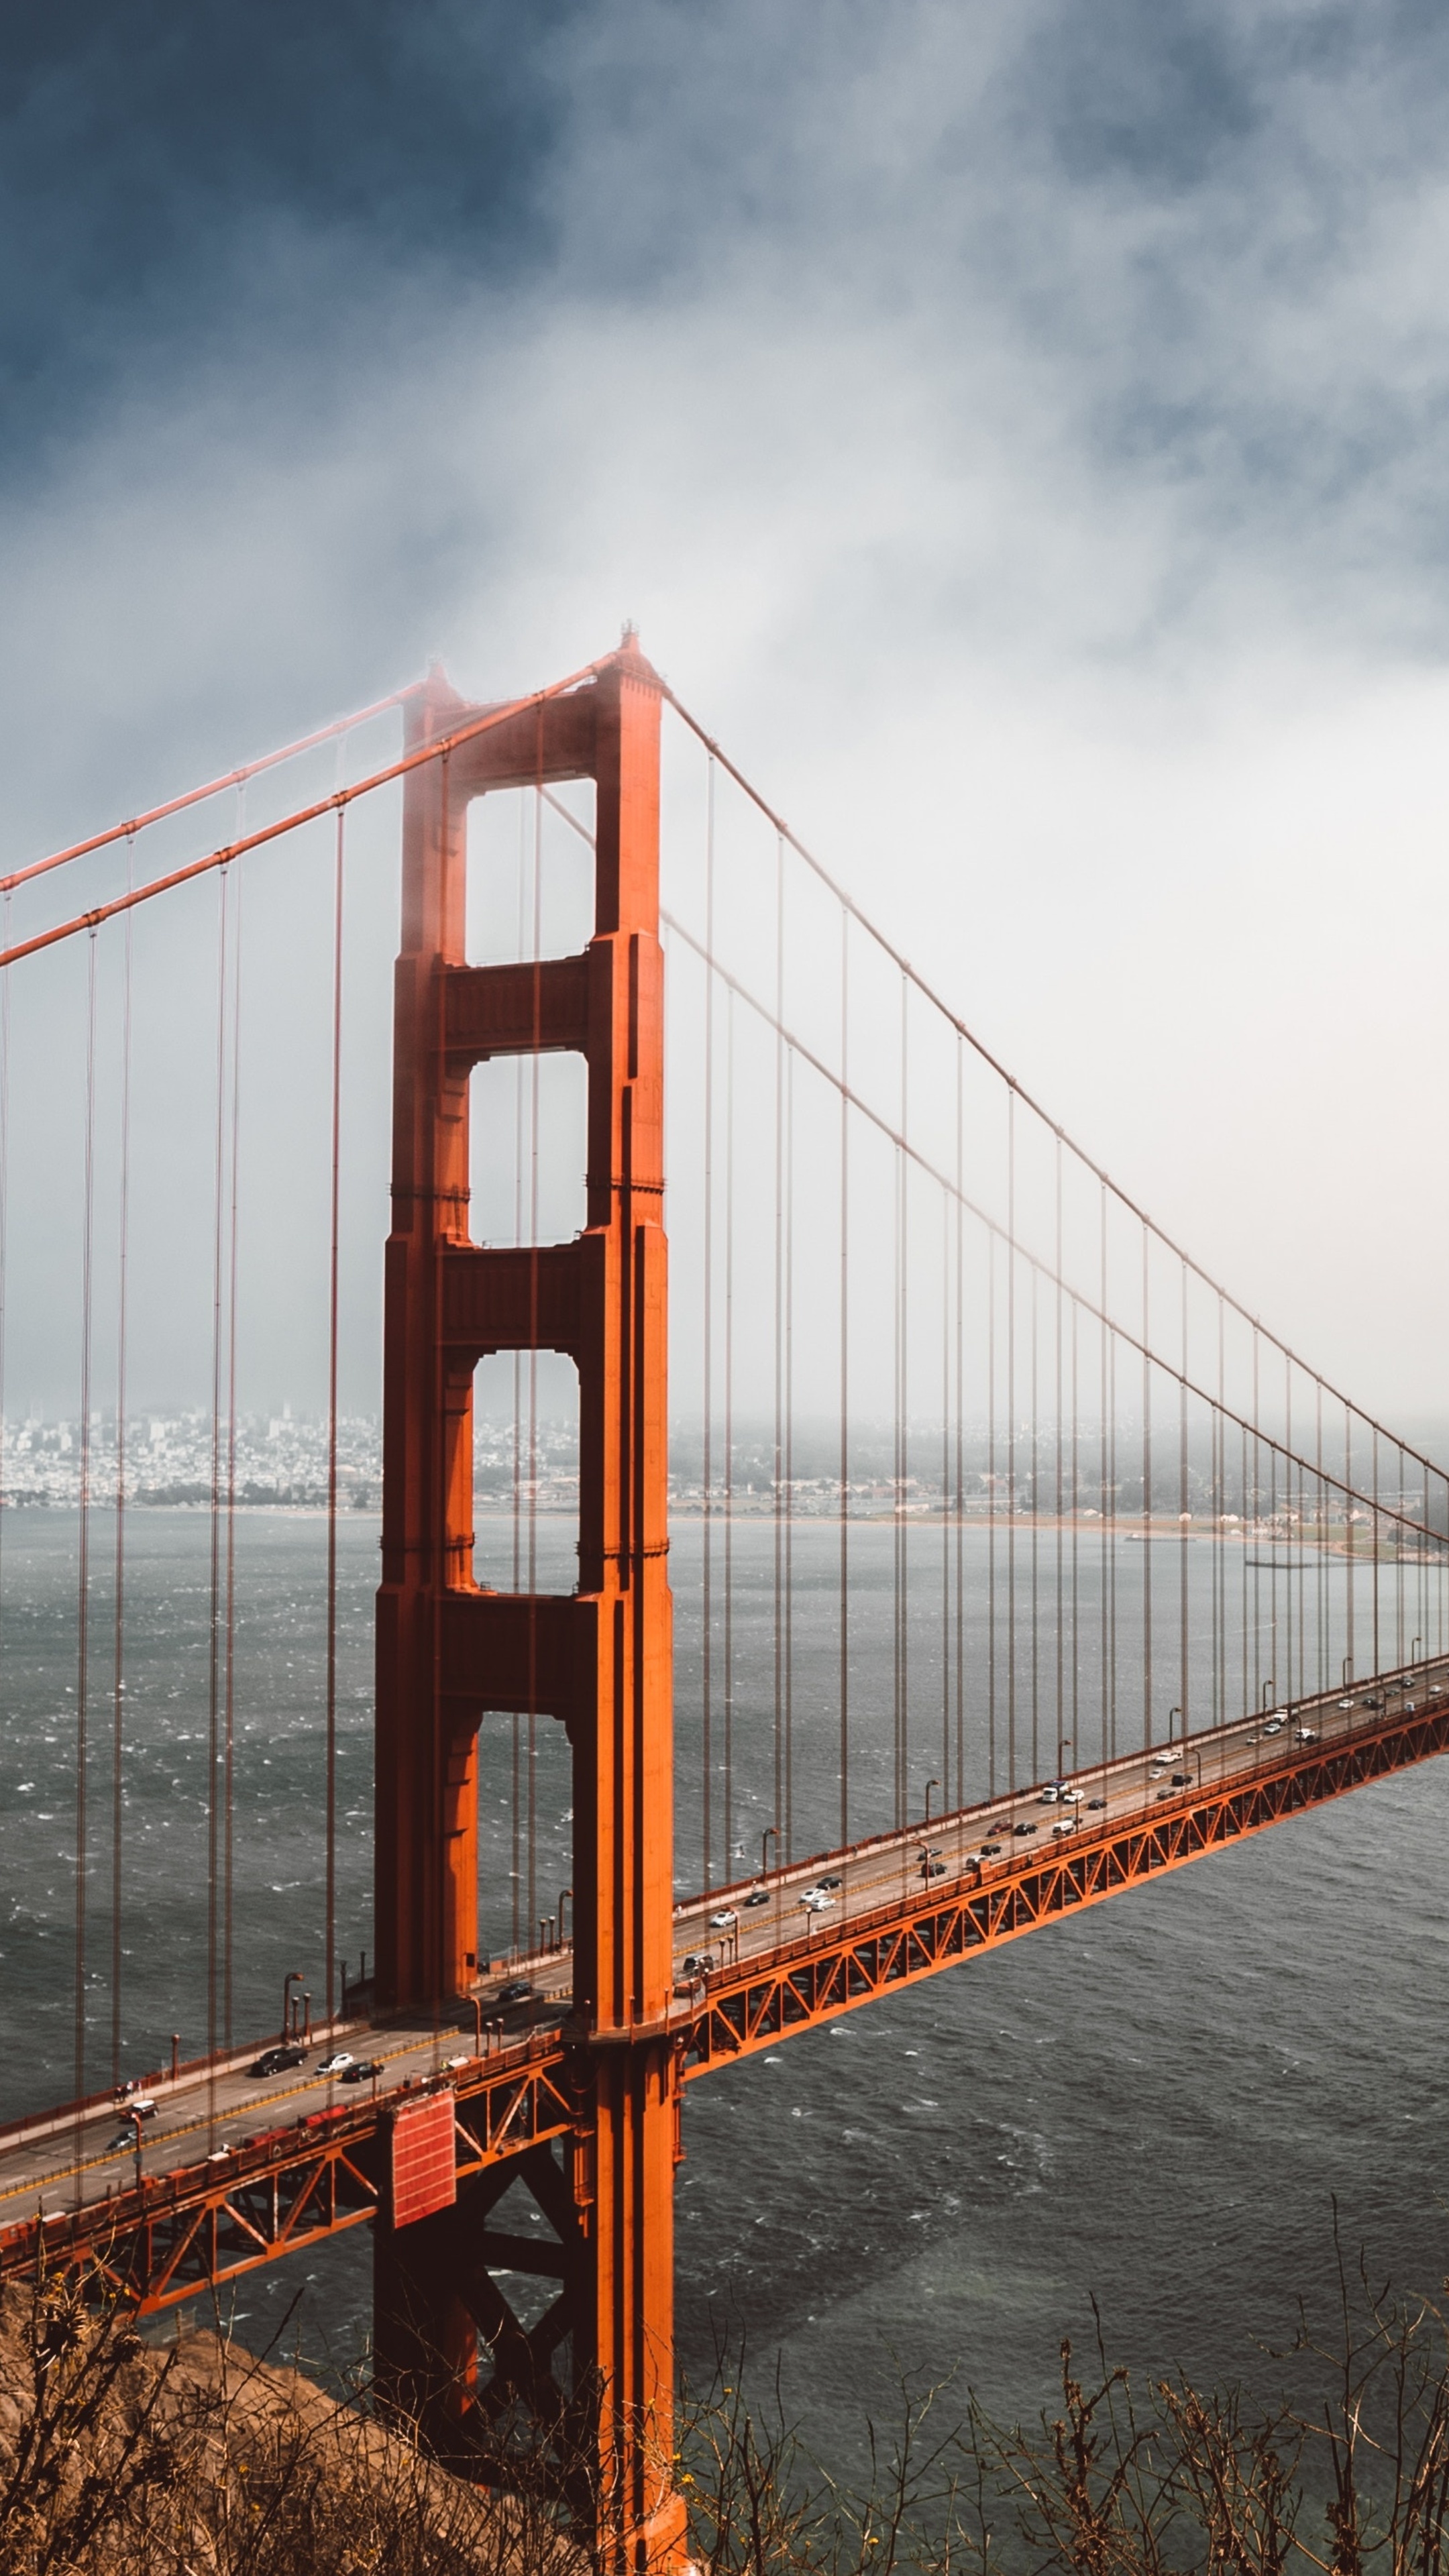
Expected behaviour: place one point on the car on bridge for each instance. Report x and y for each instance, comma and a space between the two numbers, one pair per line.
758, 1896
362, 2070
337, 2063
276, 2061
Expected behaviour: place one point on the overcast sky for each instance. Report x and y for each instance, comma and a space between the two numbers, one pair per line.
1017, 429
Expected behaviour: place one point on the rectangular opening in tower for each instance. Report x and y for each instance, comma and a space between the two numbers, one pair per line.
526, 1472
528, 1149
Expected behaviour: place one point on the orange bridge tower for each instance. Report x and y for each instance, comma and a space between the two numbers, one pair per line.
598, 2366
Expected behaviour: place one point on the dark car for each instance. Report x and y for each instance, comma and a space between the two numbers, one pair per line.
1023, 1829
990, 1851
1182, 1779
696, 1963
517, 1991
275, 2061
830, 1880
933, 1869
362, 2070
1096, 1802
758, 1896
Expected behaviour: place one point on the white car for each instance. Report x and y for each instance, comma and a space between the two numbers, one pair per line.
1071, 1797
1048, 1798
815, 1900
334, 2064
724, 1921
1067, 1825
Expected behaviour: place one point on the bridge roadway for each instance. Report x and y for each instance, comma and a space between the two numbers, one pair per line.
236, 2170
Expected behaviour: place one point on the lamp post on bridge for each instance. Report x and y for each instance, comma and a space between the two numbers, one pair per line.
293, 1978
930, 1785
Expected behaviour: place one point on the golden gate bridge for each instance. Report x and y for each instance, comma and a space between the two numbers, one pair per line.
1023, 1563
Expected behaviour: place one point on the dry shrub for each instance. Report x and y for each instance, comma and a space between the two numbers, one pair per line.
200, 2460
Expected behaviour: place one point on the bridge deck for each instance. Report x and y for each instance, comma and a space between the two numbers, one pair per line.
238, 2171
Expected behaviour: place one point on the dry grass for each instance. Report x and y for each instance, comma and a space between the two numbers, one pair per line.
121, 2459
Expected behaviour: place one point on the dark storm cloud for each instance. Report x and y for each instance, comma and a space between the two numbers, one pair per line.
144, 149
1190, 256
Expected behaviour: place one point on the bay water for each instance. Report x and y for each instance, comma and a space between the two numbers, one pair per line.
1159, 2106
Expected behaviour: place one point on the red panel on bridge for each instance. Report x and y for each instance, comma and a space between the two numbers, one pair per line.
424, 2167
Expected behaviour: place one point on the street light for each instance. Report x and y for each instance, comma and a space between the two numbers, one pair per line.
135, 2118
1171, 1714
1268, 1689
293, 1978
565, 1897
770, 1835
930, 1785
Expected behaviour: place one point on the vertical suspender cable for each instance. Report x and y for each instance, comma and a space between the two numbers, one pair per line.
898, 1530
707, 1361
991, 1514
88, 1207
788, 1818
535, 1065
333, 1283
960, 1501
1184, 1692
1076, 1511
229, 1611
947, 1514
515, 1880
1011, 1440
1102, 1488
1348, 1534
1146, 1498
844, 1378
1255, 1561
778, 1525
214, 1663
1220, 1505
1035, 1274
729, 1443
1060, 1639
118, 1676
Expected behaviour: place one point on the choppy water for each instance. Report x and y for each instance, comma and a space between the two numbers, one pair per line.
1156, 2104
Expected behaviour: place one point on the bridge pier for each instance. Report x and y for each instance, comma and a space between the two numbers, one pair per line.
598, 1660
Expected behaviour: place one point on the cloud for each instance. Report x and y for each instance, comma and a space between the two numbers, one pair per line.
1020, 429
